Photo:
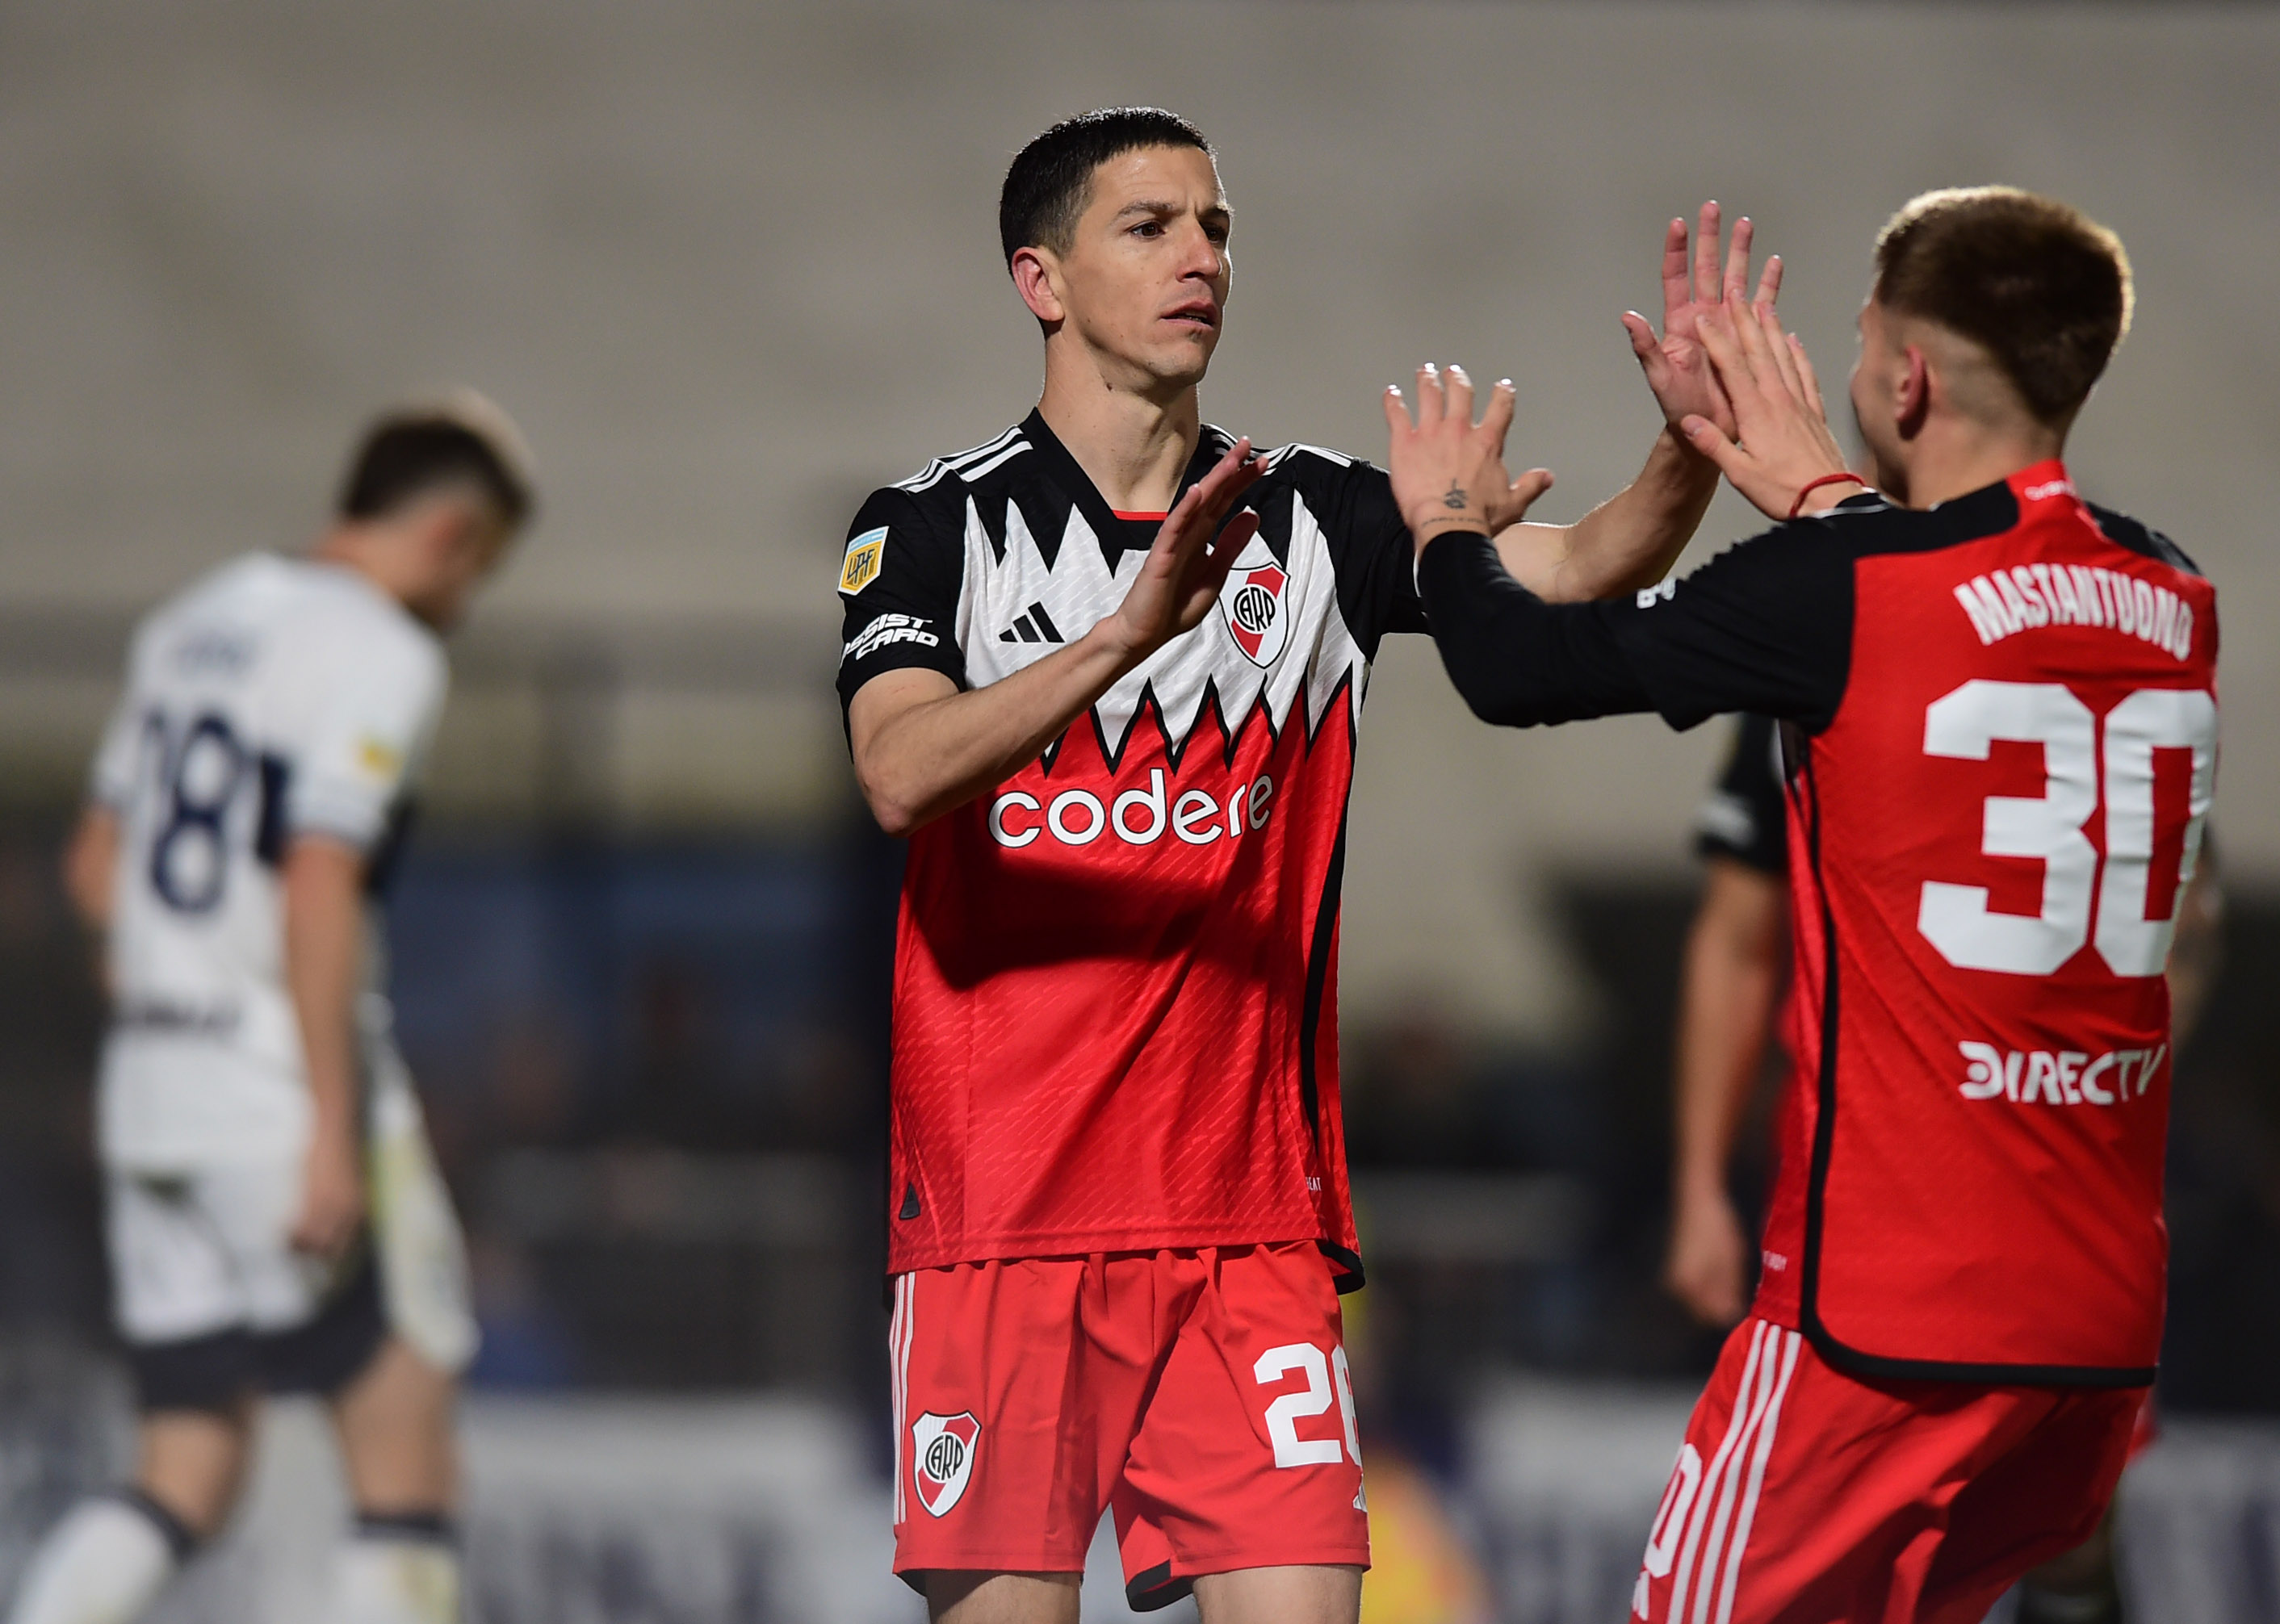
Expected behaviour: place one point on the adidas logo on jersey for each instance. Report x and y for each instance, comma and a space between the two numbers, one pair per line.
2061, 1077
1036, 626
1277, 643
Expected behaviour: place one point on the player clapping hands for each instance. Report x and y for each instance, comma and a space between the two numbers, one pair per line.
1731, 381
1556, 563
1678, 365
1775, 449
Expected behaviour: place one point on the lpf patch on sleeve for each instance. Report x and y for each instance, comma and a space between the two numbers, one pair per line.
378, 758
861, 567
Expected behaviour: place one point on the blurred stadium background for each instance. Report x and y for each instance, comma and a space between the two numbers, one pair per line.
732, 265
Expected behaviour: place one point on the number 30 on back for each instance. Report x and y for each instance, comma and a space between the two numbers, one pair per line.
1955, 919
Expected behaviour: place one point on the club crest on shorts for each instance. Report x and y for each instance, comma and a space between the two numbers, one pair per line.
942, 1457
1257, 615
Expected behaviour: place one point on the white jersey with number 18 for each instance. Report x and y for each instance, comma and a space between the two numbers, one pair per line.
276, 697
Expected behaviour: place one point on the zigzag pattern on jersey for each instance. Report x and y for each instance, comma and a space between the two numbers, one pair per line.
1176, 743
1034, 545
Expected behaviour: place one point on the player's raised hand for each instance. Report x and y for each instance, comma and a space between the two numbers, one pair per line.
1676, 365
1781, 453
1448, 472
1198, 543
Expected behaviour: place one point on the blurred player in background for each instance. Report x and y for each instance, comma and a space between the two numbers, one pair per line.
276, 1223
1116, 718
1735, 973
2002, 738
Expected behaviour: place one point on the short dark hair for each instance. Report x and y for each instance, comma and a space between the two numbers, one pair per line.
1050, 180
410, 451
2040, 286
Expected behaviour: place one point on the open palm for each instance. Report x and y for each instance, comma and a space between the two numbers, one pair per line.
1180, 579
1676, 365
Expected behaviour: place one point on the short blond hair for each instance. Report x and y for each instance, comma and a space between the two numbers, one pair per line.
2041, 287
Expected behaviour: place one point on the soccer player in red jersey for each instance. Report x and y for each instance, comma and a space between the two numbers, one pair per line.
1735, 973
1116, 716
1999, 722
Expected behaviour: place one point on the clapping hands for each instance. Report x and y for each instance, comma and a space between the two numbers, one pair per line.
1729, 378
1776, 449
1677, 364
1448, 472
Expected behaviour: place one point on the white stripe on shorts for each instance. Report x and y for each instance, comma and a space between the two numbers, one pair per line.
899, 1377
1735, 1423
1721, 1521
1790, 1342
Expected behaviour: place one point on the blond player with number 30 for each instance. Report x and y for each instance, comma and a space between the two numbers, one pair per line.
1998, 706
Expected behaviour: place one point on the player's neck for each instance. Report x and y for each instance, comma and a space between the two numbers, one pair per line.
1134, 448
1952, 460
350, 547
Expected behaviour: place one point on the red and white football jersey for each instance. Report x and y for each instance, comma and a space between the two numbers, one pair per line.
2001, 747
1115, 983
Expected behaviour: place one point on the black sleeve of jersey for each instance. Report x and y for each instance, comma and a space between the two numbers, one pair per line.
904, 610
1519, 661
1377, 586
2141, 538
1766, 626
1745, 816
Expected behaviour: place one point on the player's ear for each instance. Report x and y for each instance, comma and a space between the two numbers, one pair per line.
1036, 278
459, 537
1912, 395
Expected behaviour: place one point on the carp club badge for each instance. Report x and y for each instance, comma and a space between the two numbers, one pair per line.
1254, 603
942, 1457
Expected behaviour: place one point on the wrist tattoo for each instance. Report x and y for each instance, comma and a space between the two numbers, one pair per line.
1455, 496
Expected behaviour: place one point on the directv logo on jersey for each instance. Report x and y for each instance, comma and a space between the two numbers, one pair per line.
1253, 603
2063, 1077
942, 1457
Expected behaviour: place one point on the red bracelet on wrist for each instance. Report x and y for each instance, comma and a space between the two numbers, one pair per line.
1798, 506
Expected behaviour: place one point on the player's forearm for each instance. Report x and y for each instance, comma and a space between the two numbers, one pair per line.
1519, 661
1729, 988
932, 757
88, 864
1720, 1049
1626, 543
2197, 950
324, 947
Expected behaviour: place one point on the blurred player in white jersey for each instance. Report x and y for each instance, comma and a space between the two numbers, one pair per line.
275, 1220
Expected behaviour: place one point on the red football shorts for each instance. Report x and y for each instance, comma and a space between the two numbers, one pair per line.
1804, 1495
1202, 1395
